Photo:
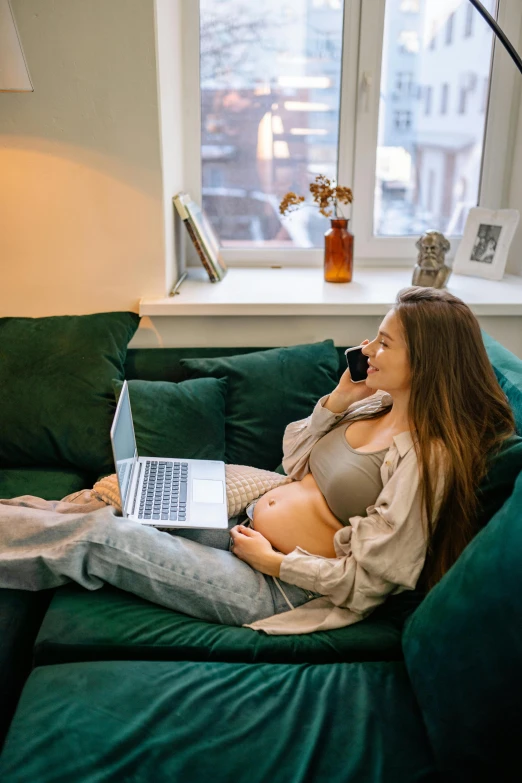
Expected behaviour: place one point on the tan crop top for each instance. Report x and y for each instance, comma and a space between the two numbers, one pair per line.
350, 480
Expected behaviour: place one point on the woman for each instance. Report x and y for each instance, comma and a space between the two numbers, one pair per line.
384, 493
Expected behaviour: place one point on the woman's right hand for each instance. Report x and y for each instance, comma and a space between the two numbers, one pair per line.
347, 392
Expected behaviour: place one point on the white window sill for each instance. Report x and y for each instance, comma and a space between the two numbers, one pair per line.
303, 291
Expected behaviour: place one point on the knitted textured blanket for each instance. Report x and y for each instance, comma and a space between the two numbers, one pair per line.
244, 485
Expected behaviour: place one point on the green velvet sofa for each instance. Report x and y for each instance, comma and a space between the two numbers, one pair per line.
103, 686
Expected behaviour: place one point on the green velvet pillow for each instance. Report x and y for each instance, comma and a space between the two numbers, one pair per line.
184, 419
463, 652
497, 485
514, 396
266, 391
56, 397
508, 369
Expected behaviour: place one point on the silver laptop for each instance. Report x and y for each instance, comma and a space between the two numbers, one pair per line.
165, 493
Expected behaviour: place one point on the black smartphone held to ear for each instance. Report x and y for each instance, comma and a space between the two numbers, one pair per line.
357, 363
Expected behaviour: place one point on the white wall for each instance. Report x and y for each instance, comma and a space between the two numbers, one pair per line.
81, 193
170, 90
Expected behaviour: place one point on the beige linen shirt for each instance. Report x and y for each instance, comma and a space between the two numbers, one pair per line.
379, 554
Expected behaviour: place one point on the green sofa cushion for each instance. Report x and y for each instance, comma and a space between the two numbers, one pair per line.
219, 722
43, 482
497, 486
184, 419
463, 651
106, 624
508, 369
267, 390
56, 397
21, 612
163, 364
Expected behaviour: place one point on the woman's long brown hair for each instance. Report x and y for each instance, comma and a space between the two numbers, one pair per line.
455, 400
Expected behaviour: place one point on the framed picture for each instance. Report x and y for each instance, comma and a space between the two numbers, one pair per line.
202, 236
485, 244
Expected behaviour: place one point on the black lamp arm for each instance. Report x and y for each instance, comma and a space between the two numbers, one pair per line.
499, 32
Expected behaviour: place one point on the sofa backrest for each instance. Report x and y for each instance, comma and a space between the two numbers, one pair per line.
163, 364
463, 652
508, 369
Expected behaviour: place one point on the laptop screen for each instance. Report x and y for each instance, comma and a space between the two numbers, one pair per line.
123, 443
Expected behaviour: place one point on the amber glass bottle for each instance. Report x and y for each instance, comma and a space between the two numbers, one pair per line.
338, 252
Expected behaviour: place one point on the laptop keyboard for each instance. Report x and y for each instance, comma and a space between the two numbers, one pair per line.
164, 495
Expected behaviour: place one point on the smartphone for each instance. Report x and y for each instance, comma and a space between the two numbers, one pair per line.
358, 363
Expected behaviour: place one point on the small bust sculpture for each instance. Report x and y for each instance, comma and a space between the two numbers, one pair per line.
430, 269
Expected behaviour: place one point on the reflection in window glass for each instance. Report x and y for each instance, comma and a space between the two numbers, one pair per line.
270, 99
428, 168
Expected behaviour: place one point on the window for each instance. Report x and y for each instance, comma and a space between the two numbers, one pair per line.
449, 28
272, 116
485, 95
410, 6
402, 119
470, 15
436, 151
273, 83
409, 41
428, 93
444, 99
404, 83
463, 100
433, 36
431, 191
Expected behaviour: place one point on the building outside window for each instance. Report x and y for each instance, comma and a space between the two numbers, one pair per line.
272, 117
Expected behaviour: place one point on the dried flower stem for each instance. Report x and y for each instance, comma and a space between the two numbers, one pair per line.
326, 195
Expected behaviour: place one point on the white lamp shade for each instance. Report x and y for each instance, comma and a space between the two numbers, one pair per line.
14, 75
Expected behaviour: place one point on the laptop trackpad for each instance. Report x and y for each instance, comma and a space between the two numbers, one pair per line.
207, 491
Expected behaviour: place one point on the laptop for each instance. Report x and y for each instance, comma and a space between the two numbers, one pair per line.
165, 493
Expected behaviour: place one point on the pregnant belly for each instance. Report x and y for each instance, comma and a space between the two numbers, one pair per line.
297, 514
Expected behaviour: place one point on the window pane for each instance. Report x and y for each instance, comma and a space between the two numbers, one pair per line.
434, 88
270, 95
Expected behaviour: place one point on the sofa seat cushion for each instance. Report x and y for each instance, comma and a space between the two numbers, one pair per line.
56, 396
43, 483
109, 623
266, 391
186, 721
21, 613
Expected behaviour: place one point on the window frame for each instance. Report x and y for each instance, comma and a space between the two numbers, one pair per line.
363, 30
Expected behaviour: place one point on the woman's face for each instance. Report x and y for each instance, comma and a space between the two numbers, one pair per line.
389, 366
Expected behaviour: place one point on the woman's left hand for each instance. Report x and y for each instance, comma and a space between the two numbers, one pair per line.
256, 550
